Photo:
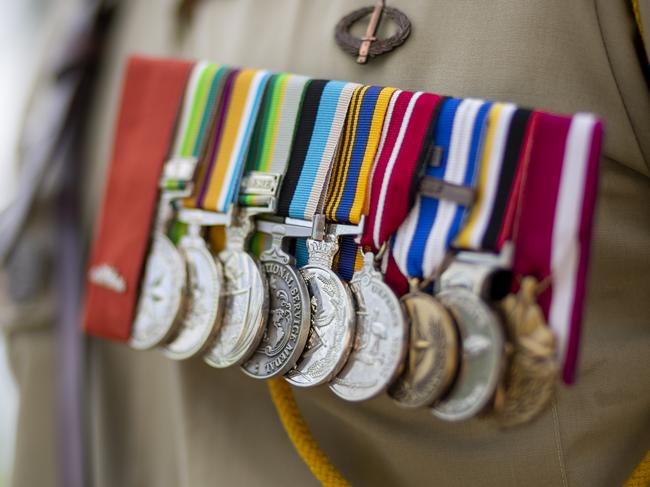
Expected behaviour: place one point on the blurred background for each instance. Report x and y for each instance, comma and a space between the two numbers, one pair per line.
22, 36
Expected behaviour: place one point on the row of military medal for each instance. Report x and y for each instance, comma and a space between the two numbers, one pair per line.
463, 352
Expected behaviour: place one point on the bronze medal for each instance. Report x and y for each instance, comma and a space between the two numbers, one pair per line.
432, 354
530, 377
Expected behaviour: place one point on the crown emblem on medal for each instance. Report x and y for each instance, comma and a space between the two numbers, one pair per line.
107, 276
322, 252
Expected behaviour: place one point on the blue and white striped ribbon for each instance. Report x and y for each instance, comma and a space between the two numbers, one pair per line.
309, 193
420, 244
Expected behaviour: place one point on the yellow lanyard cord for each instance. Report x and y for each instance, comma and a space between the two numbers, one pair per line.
316, 459
641, 475
301, 438
321, 466
637, 17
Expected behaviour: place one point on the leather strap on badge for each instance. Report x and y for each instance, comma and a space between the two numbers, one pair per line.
396, 164
422, 241
303, 191
152, 94
228, 149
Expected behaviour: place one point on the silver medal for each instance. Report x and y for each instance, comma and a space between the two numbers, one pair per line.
160, 305
245, 300
203, 305
287, 326
481, 364
381, 338
332, 318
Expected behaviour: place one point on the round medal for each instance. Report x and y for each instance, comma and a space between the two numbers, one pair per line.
287, 326
203, 305
432, 355
533, 368
381, 337
481, 364
245, 310
332, 319
161, 300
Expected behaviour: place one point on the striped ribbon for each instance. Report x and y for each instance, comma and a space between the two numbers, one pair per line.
351, 172
323, 113
502, 154
194, 118
230, 137
422, 241
397, 164
274, 130
348, 188
553, 229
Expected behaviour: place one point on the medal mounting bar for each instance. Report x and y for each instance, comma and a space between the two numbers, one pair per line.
340, 229
178, 173
264, 188
287, 227
204, 218
179, 169
487, 275
297, 228
443, 190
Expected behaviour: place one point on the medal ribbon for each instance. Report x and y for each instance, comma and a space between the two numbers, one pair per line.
321, 121
149, 106
502, 152
421, 243
396, 164
230, 139
274, 130
348, 188
351, 172
194, 117
553, 230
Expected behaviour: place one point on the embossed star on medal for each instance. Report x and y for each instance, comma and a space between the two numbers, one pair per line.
234, 97
246, 299
322, 116
388, 167
421, 244
162, 299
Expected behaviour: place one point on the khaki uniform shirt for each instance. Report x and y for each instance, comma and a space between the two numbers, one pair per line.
156, 422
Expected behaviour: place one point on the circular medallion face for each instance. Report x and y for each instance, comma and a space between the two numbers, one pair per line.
482, 356
380, 341
287, 326
162, 297
203, 304
245, 310
531, 375
432, 355
332, 328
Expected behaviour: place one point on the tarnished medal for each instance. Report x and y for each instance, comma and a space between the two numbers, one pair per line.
332, 318
287, 326
532, 372
245, 299
203, 304
161, 301
481, 363
380, 341
432, 355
